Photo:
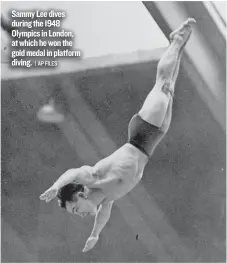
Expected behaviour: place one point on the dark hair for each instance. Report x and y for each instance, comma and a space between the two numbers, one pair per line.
67, 192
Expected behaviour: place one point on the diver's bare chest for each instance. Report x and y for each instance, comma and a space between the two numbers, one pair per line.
120, 188
122, 172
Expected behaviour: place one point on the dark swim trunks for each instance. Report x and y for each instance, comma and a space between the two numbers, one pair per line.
143, 135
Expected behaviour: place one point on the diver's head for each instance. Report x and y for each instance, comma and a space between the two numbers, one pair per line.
73, 197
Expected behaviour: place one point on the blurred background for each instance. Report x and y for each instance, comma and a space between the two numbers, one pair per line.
77, 114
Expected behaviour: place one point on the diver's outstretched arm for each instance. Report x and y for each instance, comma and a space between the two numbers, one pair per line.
101, 219
83, 175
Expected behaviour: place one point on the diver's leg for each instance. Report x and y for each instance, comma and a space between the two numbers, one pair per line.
159, 101
168, 115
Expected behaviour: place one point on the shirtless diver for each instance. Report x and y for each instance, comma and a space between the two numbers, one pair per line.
92, 190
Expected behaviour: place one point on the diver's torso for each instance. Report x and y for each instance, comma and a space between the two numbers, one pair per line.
127, 163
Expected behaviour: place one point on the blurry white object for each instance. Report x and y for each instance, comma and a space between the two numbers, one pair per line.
49, 114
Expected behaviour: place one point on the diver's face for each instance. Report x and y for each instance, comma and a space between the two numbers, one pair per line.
81, 207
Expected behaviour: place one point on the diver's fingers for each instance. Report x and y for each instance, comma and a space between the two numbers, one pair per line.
49, 198
44, 195
50, 194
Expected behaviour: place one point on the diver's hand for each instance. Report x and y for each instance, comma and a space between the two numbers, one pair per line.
50, 194
90, 243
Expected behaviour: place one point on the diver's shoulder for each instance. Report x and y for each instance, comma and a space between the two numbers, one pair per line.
106, 164
102, 166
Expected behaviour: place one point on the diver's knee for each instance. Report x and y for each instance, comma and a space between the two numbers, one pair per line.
168, 88
164, 69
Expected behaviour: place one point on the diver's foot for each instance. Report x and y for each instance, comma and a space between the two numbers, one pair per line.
183, 33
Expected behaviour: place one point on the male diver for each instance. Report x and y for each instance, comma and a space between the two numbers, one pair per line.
92, 190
